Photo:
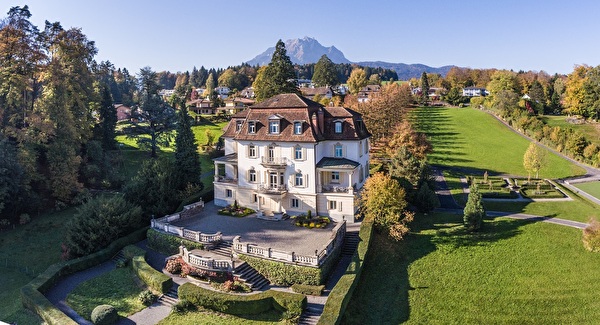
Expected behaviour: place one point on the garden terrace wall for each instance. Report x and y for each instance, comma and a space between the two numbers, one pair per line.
154, 279
250, 304
32, 294
169, 244
340, 295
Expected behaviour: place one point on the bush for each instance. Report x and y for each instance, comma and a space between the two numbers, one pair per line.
280, 273
24, 219
591, 236
231, 286
306, 289
104, 315
183, 306
147, 297
174, 266
154, 279
169, 244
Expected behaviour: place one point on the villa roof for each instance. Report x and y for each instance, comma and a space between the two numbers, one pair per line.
230, 158
337, 163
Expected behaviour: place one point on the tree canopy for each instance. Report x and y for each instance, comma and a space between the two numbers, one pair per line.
278, 77
325, 72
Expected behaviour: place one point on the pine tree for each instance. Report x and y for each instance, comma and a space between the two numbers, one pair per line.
474, 211
187, 159
279, 76
424, 98
325, 72
108, 120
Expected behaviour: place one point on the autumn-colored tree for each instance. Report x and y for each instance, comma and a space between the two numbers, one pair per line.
357, 80
406, 136
574, 90
534, 160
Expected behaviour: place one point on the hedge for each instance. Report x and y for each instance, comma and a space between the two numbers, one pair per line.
340, 295
32, 294
306, 289
169, 244
153, 278
251, 304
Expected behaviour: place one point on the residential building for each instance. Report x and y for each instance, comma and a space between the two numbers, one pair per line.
123, 112
201, 106
247, 92
311, 92
365, 93
235, 105
289, 154
474, 92
222, 92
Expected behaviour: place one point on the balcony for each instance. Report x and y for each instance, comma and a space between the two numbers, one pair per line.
337, 189
272, 189
225, 179
274, 162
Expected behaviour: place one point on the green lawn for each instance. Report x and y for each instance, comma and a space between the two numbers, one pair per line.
472, 139
590, 131
514, 272
119, 288
592, 188
24, 252
214, 318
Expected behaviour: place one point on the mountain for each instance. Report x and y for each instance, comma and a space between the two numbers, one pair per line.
309, 50
302, 51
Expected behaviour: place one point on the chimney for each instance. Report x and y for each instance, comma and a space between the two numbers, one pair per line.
321, 120
314, 123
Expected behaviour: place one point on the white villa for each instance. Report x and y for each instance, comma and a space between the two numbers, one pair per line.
289, 154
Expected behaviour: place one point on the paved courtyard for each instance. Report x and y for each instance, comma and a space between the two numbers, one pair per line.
281, 235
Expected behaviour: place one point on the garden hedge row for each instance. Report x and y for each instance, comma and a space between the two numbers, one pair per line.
153, 278
306, 289
342, 292
169, 244
32, 294
251, 304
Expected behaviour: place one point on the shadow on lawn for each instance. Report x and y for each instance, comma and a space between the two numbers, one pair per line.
382, 295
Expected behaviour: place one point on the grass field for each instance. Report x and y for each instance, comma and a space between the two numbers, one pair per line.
471, 139
590, 131
214, 318
24, 252
514, 272
592, 188
119, 288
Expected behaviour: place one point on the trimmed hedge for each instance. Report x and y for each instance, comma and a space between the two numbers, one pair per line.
32, 295
169, 244
243, 304
340, 295
154, 279
284, 274
306, 289
104, 315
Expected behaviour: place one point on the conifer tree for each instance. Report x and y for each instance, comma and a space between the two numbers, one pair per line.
325, 73
108, 120
279, 76
187, 159
474, 211
424, 99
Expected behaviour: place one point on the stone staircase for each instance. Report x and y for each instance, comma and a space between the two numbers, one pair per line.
119, 258
250, 276
224, 248
170, 298
311, 315
351, 241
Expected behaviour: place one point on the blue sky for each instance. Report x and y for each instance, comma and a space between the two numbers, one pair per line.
175, 35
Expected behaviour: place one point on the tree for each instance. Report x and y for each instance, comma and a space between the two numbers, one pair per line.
426, 199
278, 77
574, 93
383, 202
153, 118
454, 96
424, 98
11, 176
534, 160
474, 211
210, 85
357, 80
325, 72
187, 159
108, 120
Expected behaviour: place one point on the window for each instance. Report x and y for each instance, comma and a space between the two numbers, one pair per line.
360, 148
274, 127
361, 174
229, 193
251, 127
238, 125
332, 205
366, 146
298, 153
338, 151
252, 151
298, 180
252, 176
338, 127
367, 170
335, 177
254, 198
297, 127
295, 203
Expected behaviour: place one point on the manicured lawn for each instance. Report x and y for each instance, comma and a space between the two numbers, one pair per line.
119, 288
590, 131
592, 188
471, 139
514, 272
28, 250
214, 318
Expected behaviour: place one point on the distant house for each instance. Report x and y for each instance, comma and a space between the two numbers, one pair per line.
235, 105
166, 93
201, 106
366, 91
323, 92
222, 92
247, 92
123, 112
474, 92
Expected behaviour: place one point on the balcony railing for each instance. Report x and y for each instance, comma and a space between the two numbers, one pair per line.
225, 179
274, 161
336, 189
272, 189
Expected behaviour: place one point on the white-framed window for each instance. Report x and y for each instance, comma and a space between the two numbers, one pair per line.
298, 153
297, 127
238, 125
295, 203
338, 127
361, 174
298, 180
335, 177
252, 151
274, 127
252, 176
332, 205
338, 151
229, 193
254, 198
251, 127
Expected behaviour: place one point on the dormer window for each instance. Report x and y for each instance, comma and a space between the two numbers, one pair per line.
338, 127
251, 127
275, 123
238, 125
297, 127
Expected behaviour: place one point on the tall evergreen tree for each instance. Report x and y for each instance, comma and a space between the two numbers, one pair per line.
11, 176
424, 98
325, 72
279, 76
187, 159
108, 120
474, 211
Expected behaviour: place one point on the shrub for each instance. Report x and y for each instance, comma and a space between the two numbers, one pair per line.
183, 306
591, 236
235, 211
306, 289
231, 286
280, 273
147, 297
154, 279
169, 244
24, 219
104, 315
173, 266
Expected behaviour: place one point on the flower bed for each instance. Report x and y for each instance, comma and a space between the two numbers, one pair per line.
231, 286
310, 222
235, 210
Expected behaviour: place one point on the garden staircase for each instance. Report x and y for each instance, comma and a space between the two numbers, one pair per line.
119, 258
351, 241
170, 298
311, 315
223, 249
250, 276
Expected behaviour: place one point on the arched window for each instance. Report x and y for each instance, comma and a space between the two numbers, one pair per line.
338, 127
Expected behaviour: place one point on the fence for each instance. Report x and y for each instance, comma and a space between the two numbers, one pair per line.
164, 224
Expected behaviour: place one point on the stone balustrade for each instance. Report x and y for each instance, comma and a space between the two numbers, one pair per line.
206, 263
164, 224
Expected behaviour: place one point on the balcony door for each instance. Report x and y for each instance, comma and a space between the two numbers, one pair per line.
271, 153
